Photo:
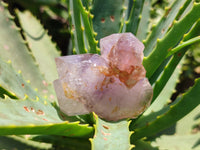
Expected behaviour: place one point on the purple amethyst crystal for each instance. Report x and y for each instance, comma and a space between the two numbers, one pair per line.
112, 85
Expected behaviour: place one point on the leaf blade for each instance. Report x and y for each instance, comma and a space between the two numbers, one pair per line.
152, 62
177, 111
34, 117
110, 135
13, 48
40, 44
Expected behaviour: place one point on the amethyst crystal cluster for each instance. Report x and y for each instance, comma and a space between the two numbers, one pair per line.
112, 85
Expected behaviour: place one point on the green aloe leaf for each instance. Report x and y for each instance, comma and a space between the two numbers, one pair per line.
171, 66
15, 142
82, 34
161, 101
111, 135
183, 45
13, 82
107, 17
144, 145
143, 27
178, 110
153, 61
134, 18
13, 48
61, 142
184, 9
162, 27
188, 123
29, 116
174, 142
40, 44
169, 76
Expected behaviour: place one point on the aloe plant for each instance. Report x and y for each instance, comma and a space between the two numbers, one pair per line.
30, 116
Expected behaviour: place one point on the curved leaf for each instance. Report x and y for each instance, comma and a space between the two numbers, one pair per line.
182, 106
162, 27
177, 142
40, 44
153, 61
144, 22
83, 36
13, 48
133, 22
107, 17
111, 135
14, 82
14, 142
35, 117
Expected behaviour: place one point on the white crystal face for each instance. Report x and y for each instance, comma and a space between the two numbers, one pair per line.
112, 85
68, 106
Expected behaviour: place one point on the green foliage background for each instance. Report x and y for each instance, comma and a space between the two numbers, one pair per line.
34, 32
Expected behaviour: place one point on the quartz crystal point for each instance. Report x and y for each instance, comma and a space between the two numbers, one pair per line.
112, 85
